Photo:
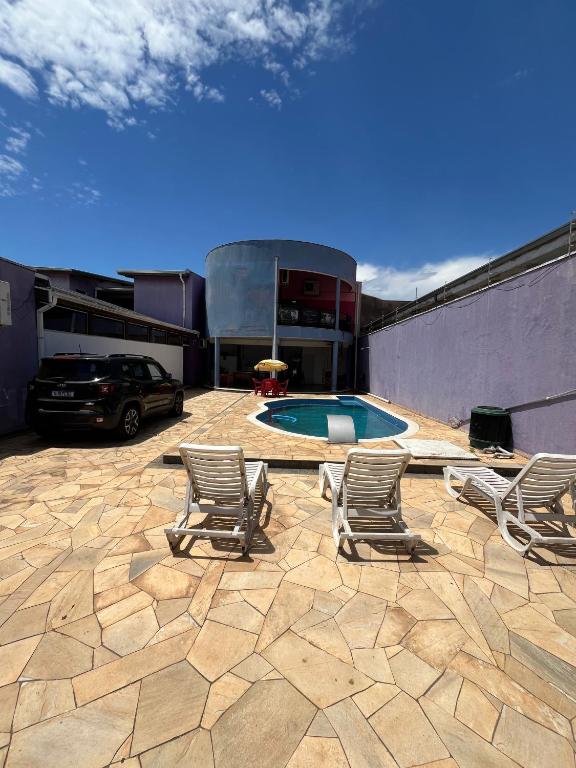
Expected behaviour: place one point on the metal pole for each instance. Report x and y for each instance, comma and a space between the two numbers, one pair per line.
40, 324
183, 299
275, 325
334, 386
357, 317
216, 363
335, 344
337, 323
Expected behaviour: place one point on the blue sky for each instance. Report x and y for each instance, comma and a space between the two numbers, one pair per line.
422, 138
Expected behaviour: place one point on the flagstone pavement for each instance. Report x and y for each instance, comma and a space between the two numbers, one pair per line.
114, 651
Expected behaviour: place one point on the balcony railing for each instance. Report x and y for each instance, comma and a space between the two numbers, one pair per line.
295, 314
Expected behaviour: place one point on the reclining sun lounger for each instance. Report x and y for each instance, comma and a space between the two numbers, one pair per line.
540, 485
366, 487
219, 474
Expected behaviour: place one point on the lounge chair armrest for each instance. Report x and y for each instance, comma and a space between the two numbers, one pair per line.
256, 479
334, 490
467, 480
332, 484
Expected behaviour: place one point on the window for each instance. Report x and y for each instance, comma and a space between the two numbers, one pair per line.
106, 326
64, 319
288, 315
157, 336
73, 369
284, 278
139, 371
311, 288
174, 339
327, 319
311, 317
136, 332
155, 371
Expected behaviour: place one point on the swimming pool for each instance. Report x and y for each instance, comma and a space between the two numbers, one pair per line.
307, 418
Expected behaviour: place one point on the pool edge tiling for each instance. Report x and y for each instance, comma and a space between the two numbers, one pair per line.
386, 415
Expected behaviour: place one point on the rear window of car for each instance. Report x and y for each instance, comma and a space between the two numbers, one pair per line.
73, 370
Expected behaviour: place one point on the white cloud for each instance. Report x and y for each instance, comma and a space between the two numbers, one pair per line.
16, 77
10, 167
83, 194
10, 171
272, 97
18, 142
113, 55
392, 283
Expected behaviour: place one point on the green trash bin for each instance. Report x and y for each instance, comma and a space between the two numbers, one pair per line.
490, 426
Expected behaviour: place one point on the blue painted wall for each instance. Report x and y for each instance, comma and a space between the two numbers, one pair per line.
240, 281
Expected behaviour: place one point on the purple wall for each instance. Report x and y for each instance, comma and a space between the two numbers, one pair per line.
161, 296
18, 346
70, 281
505, 346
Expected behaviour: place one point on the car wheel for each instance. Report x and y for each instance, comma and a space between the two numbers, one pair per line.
178, 407
129, 425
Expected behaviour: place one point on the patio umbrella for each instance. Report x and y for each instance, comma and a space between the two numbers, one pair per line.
271, 366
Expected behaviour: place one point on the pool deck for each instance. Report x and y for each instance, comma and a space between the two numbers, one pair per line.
116, 652
221, 418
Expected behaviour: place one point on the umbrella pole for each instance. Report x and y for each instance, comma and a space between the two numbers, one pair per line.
275, 324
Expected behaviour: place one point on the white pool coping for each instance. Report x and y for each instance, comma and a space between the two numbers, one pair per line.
411, 429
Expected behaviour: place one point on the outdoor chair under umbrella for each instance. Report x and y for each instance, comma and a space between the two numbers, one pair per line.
271, 385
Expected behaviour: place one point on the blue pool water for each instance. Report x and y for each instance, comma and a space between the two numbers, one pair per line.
308, 417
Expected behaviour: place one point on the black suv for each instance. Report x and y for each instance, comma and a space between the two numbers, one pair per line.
106, 392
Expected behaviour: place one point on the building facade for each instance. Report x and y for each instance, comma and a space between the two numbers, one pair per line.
110, 289
18, 346
177, 297
55, 310
305, 295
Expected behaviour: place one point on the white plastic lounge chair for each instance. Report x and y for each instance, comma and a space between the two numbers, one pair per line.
219, 474
541, 484
367, 486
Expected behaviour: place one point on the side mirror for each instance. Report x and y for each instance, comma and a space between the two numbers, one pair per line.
169, 376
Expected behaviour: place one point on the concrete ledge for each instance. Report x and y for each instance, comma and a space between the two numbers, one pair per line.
422, 467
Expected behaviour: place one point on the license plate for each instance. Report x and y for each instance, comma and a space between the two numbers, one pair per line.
62, 393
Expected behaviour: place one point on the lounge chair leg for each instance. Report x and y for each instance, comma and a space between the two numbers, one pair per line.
502, 519
173, 540
322, 480
450, 490
410, 547
336, 531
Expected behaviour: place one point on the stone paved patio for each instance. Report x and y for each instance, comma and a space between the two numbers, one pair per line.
227, 423
115, 652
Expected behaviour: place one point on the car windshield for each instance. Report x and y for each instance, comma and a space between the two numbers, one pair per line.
73, 369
